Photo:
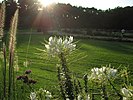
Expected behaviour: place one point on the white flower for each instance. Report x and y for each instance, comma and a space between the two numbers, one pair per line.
33, 96
48, 95
97, 74
95, 70
51, 38
44, 90
47, 92
71, 39
111, 72
79, 97
125, 98
126, 92
88, 97
56, 46
47, 46
102, 74
103, 69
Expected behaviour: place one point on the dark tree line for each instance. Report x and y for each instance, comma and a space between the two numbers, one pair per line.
59, 16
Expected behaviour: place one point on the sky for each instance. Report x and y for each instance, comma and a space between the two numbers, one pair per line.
99, 4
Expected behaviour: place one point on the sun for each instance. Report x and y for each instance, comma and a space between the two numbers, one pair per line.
46, 3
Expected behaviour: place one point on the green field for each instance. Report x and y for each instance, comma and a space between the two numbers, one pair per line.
90, 53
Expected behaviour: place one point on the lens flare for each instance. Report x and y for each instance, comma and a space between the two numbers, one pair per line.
46, 3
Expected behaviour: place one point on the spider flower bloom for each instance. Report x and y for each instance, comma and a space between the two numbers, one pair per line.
97, 74
102, 74
56, 46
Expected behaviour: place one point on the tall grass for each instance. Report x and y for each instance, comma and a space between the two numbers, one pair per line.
3, 48
2, 19
8, 90
12, 44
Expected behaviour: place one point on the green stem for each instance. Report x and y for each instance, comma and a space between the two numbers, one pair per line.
104, 92
61, 88
85, 83
4, 71
67, 82
28, 48
121, 97
13, 79
10, 75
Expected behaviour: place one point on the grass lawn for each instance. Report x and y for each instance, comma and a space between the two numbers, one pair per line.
90, 53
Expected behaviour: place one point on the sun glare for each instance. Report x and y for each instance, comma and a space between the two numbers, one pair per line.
46, 2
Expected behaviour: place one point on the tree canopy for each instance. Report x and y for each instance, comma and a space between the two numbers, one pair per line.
60, 15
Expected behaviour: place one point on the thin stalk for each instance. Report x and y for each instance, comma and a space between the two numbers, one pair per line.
28, 49
61, 88
121, 97
67, 82
126, 76
105, 96
86, 83
93, 96
10, 76
13, 79
4, 72
2, 48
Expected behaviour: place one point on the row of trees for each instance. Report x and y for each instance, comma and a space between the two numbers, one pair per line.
66, 16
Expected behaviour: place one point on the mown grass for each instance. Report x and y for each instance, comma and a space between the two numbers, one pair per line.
94, 53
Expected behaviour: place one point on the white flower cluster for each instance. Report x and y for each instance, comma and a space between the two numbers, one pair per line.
44, 95
56, 46
102, 74
126, 93
47, 94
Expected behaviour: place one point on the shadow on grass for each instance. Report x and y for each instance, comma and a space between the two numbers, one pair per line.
118, 47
